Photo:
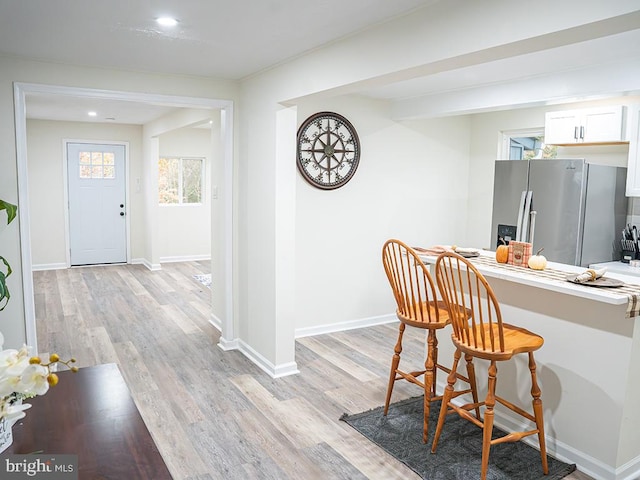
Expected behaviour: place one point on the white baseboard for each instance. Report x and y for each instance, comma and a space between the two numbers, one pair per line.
49, 266
341, 327
227, 345
274, 371
143, 261
291, 368
185, 258
216, 322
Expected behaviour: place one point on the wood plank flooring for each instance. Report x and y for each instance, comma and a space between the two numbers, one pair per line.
213, 414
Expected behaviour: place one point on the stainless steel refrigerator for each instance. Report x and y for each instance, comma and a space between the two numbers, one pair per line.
576, 211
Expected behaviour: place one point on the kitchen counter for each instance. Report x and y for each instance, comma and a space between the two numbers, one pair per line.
618, 267
554, 278
588, 367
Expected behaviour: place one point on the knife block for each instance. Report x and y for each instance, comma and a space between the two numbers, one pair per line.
519, 253
628, 255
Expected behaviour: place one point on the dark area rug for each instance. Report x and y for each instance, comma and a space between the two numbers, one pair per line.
459, 452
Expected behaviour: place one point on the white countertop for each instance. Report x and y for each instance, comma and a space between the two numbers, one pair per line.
529, 277
618, 267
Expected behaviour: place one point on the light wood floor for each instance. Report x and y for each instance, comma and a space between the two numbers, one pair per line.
213, 414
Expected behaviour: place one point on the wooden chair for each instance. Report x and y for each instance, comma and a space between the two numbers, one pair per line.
415, 294
484, 335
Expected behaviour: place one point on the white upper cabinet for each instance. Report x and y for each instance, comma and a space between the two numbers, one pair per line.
633, 168
589, 125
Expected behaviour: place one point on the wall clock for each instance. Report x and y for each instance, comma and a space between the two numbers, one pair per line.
328, 150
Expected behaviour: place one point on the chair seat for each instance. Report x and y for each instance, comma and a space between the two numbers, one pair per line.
516, 340
434, 315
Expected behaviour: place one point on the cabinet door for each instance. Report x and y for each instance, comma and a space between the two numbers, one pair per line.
561, 127
602, 125
633, 167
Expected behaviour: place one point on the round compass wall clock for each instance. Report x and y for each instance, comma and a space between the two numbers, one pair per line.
328, 150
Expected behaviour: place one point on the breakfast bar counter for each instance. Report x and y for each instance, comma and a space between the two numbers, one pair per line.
588, 367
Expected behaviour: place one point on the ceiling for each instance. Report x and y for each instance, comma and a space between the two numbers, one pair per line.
210, 41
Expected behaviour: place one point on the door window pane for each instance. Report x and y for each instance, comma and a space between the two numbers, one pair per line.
92, 165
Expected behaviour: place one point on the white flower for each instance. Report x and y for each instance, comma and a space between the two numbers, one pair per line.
20, 379
33, 380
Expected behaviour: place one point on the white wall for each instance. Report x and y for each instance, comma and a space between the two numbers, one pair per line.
184, 231
411, 184
46, 159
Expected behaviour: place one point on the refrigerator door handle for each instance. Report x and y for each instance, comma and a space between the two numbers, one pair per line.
525, 217
533, 226
520, 216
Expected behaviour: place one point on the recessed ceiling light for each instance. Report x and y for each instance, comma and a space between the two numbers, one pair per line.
167, 21
92, 114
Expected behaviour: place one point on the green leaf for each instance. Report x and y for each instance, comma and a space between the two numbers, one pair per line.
4, 291
11, 210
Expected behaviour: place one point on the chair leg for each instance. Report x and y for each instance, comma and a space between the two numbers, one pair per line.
487, 429
471, 375
395, 362
429, 380
448, 394
537, 413
435, 362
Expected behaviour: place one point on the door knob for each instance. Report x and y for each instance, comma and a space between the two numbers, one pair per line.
122, 214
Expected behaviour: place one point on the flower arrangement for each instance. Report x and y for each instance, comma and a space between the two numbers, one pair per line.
22, 377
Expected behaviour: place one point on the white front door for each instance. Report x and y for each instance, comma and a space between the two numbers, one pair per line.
97, 194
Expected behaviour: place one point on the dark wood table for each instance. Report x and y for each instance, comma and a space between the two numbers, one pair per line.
91, 414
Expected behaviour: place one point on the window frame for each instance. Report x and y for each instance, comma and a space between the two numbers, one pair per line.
203, 168
504, 142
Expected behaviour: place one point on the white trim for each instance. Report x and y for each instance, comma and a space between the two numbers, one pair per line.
185, 258
143, 261
23, 213
343, 326
49, 266
22, 89
226, 345
228, 334
505, 137
274, 371
216, 322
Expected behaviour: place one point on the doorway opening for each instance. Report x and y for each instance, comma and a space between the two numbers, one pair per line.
224, 205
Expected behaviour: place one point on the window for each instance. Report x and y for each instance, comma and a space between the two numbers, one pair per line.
97, 165
180, 180
525, 145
